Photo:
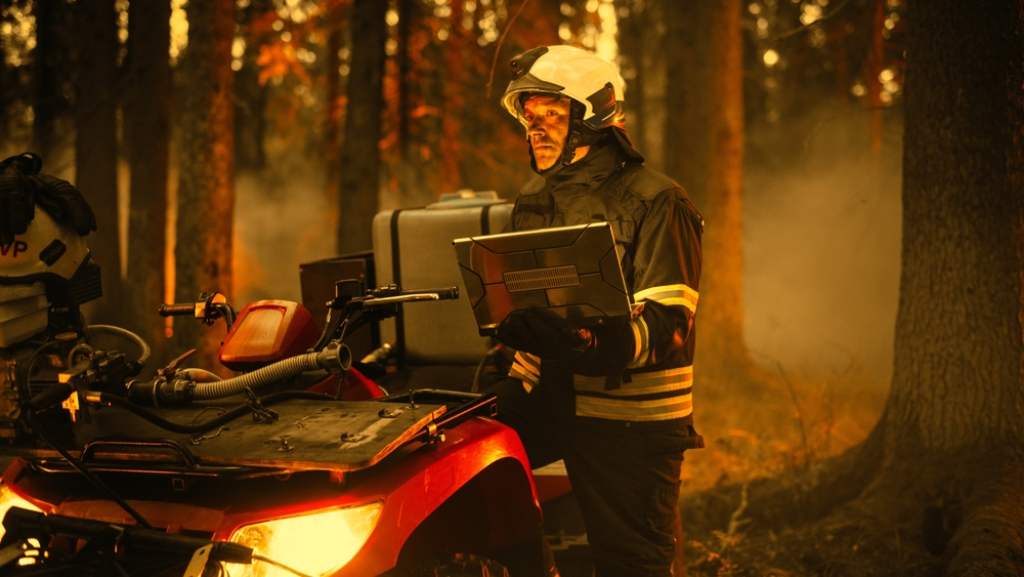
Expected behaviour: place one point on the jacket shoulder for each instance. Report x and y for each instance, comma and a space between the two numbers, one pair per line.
656, 189
648, 183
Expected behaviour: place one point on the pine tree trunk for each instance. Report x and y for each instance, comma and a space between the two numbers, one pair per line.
46, 82
407, 14
452, 111
333, 110
633, 27
957, 378
206, 151
704, 151
876, 59
360, 151
147, 136
251, 97
96, 140
957, 400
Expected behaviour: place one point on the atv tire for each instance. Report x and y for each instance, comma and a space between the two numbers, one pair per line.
459, 565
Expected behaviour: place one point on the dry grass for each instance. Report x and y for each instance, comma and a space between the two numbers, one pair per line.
779, 425
774, 425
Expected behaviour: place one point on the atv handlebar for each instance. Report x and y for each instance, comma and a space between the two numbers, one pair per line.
412, 297
209, 308
388, 295
177, 310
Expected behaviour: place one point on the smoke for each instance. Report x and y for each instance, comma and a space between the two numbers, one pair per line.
283, 217
822, 223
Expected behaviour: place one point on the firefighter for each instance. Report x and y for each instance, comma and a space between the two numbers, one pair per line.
613, 400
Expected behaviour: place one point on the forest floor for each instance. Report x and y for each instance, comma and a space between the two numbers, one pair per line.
783, 431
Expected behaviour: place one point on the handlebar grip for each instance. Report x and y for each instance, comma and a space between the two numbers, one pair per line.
177, 310
447, 293
450, 293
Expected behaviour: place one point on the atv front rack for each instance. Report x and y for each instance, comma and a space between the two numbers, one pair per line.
306, 435
148, 457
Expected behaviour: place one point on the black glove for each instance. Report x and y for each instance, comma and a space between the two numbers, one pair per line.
541, 332
610, 348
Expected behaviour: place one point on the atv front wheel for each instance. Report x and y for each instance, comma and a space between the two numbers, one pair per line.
458, 565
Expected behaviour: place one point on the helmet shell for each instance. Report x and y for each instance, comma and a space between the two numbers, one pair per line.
44, 251
568, 71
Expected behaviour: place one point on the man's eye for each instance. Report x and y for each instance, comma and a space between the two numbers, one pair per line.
553, 113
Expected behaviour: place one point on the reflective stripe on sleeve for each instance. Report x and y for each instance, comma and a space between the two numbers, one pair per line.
642, 340
671, 294
526, 367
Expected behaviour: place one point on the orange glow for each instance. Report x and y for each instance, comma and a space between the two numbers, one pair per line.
317, 544
9, 499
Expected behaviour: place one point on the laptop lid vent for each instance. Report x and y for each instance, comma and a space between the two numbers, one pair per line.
541, 278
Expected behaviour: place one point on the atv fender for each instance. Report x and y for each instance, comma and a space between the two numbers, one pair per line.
472, 492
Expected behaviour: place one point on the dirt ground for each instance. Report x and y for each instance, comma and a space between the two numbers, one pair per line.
782, 428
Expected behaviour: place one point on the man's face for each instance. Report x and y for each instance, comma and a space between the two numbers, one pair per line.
547, 126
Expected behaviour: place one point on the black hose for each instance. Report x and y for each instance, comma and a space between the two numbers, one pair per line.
213, 423
144, 349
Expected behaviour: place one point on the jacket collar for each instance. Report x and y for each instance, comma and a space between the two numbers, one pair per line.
601, 161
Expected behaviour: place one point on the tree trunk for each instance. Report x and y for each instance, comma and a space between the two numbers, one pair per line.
360, 151
952, 432
333, 109
46, 78
876, 60
957, 374
147, 136
206, 193
416, 48
96, 140
452, 112
251, 97
407, 14
704, 151
633, 27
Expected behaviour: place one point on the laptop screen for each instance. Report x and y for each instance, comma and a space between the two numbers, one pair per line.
573, 270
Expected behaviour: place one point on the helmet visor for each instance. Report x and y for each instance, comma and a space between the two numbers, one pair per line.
526, 84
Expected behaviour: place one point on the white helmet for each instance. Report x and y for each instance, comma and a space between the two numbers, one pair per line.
42, 261
563, 70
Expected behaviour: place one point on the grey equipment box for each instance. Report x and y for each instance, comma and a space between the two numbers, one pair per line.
413, 248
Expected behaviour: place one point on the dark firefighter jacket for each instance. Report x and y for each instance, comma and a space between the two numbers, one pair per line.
658, 232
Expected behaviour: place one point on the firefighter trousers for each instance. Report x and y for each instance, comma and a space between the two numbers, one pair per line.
625, 475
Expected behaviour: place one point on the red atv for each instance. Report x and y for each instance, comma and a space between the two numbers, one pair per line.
299, 465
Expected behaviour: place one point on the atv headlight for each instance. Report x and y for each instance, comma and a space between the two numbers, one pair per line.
8, 499
317, 544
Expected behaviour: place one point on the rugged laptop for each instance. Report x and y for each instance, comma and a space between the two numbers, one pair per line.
571, 270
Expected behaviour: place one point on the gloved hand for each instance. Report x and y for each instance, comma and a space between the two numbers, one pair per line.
539, 331
610, 348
